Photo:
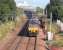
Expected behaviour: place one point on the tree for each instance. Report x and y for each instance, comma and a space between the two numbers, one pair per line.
48, 9
7, 9
56, 7
19, 11
39, 11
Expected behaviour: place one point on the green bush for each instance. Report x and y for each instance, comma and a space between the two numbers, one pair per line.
58, 43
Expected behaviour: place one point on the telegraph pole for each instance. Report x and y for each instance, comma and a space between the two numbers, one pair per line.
50, 20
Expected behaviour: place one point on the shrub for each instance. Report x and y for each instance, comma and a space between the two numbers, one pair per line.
54, 28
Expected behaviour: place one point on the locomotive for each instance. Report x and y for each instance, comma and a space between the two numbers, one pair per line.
33, 27
33, 22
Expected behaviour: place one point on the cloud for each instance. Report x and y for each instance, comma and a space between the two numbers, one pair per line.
24, 3
32, 3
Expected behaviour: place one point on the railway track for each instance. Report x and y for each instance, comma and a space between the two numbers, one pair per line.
23, 43
31, 44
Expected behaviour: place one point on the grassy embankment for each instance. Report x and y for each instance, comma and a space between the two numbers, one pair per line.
58, 39
7, 26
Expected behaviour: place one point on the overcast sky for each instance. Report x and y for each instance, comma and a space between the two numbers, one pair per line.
33, 3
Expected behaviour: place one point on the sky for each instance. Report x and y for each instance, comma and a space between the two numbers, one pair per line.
32, 3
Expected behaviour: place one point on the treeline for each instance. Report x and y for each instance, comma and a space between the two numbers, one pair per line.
7, 10
56, 7
19, 11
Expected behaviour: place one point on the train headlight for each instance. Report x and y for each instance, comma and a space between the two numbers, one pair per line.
33, 29
29, 29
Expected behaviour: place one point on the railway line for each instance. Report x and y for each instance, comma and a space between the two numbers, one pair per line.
23, 43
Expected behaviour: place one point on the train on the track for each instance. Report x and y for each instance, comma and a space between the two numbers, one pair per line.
33, 23
33, 27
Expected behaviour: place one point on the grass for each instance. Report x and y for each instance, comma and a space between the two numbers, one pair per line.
54, 28
57, 43
60, 33
5, 28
